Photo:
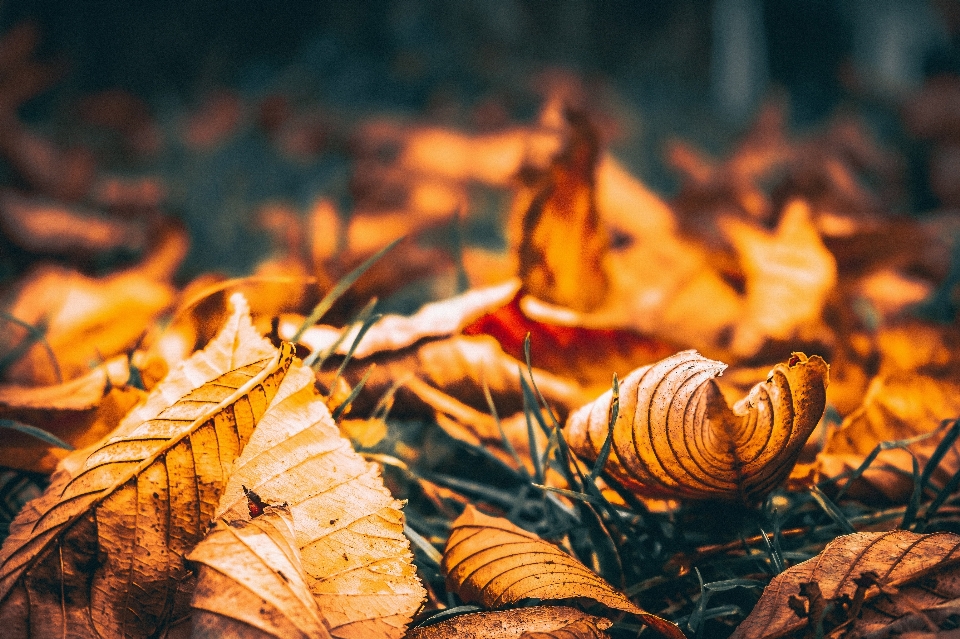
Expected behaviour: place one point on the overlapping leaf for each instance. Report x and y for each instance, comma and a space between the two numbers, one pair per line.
539, 622
348, 528
891, 575
251, 583
676, 437
493, 562
101, 552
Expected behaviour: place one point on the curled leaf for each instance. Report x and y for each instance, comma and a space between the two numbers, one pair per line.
101, 552
491, 561
891, 573
348, 528
251, 583
675, 437
539, 622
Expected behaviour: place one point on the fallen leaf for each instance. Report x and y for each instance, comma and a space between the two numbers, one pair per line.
558, 211
568, 346
676, 438
85, 320
79, 412
490, 561
897, 406
909, 572
103, 552
538, 622
348, 528
789, 274
251, 582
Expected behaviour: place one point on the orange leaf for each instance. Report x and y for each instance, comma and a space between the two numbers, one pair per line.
676, 438
493, 562
538, 622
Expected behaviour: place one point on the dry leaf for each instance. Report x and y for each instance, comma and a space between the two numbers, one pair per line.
897, 406
789, 274
86, 320
45, 226
251, 582
490, 561
78, 412
103, 553
538, 622
559, 212
676, 438
348, 527
910, 572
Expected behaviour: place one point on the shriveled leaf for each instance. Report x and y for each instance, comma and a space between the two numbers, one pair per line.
493, 562
538, 622
348, 528
251, 582
895, 573
102, 552
789, 274
676, 438
395, 332
897, 406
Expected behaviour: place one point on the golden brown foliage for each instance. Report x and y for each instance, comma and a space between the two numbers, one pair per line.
493, 562
676, 437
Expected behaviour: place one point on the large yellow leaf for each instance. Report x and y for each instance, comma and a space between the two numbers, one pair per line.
349, 529
491, 561
900, 573
101, 553
538, 622
676, 438
251, 583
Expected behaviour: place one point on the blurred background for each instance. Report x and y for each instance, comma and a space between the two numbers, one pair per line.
201, 90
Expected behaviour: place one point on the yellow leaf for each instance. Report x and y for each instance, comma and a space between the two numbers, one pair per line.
349, 529
910, 573
676, 438
897, 406
789, 274
538, 622
101, 552
251, 583
490, 561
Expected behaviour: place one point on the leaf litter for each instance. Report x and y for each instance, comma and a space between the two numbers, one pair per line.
320, 458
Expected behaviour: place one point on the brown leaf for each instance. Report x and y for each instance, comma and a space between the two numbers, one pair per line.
45, 226
490, 561
538, 622
103, 551
676, 438
897, 406
251, 582
559, 211
348, 527
910, 572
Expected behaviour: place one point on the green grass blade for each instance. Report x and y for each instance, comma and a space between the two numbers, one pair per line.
33, 431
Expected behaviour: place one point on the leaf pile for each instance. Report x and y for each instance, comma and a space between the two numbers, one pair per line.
474, 404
